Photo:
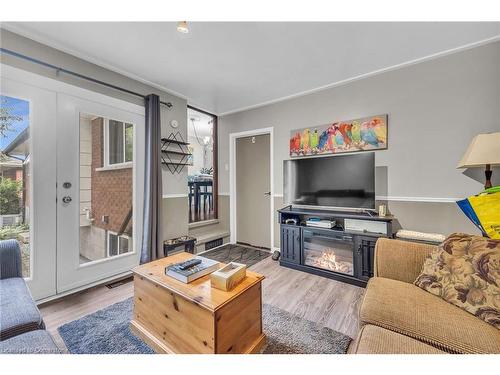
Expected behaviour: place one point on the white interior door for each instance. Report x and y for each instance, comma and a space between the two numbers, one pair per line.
27, 177
100, 174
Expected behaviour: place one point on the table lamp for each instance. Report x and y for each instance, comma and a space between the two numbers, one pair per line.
483, 151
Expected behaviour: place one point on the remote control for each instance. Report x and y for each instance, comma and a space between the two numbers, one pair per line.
189, 263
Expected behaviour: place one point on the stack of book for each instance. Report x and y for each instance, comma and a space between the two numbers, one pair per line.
192, 269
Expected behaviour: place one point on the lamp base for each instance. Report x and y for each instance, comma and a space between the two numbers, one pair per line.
488, 172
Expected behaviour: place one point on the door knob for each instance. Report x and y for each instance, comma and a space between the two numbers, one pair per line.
67, 199
267, 193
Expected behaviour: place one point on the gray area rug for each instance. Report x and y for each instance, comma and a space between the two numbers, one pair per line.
107, 332
290, 334
237, 253
104, 332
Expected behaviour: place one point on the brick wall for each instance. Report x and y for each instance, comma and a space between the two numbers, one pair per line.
11, 173
111, 190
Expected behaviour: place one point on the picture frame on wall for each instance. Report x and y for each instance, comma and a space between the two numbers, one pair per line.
362, 134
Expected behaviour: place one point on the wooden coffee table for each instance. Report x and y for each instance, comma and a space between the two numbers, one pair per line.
173, 317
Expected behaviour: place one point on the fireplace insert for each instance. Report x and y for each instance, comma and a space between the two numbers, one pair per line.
329, 250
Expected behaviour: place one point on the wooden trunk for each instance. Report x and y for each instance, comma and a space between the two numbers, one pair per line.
171, 320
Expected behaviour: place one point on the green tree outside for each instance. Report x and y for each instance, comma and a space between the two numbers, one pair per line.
10, 200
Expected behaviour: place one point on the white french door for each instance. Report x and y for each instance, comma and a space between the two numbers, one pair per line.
99, 182
76, 159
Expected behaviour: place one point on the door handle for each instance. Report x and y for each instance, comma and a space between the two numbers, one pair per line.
267, 193
67, 199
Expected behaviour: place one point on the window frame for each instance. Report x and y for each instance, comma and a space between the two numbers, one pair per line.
118, 253
124, 163
215, 166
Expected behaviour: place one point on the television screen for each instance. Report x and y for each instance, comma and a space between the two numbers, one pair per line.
342, 181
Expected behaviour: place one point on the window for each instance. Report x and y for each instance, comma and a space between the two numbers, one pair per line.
118, 244
202, 165
118, 140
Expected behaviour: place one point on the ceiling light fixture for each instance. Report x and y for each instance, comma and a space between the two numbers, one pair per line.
182, 27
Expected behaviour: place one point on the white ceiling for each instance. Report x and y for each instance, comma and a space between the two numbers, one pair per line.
225, 67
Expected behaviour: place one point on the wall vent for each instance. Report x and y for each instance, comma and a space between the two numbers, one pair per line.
214, 243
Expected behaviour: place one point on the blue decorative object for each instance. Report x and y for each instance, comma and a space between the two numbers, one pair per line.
467, 209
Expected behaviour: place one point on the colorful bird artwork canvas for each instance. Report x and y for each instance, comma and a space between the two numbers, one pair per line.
363, 134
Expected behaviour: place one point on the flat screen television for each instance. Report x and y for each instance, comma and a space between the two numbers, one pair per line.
341, 181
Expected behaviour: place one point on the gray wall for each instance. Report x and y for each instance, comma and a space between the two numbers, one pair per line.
435, 108
177, 223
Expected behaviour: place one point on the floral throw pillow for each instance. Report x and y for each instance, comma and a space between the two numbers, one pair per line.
465, 271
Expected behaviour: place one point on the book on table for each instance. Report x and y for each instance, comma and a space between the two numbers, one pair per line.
192, 273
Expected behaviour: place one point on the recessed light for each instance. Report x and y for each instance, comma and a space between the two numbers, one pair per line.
182, 27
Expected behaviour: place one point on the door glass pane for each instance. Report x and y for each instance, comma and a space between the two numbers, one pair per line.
105, 195
15, 192
115, 142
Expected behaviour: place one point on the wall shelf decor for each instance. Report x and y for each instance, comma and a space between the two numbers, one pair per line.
174, 152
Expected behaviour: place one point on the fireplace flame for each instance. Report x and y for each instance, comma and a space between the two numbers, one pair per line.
328, 260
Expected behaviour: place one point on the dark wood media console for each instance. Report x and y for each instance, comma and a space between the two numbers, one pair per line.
344, 252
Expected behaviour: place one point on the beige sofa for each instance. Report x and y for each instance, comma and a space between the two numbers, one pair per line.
398, 317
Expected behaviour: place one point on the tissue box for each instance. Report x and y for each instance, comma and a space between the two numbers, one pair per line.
227, 277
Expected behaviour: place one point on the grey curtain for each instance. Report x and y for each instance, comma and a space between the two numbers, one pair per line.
152, 241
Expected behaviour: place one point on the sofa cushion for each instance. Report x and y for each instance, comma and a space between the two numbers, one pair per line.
18, 312
465, 271
34, 342
407, 309
10, 259
376, 340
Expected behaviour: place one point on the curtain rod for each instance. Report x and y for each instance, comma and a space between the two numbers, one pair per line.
78, 75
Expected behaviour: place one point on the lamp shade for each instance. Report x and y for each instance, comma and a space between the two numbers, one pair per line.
484, 149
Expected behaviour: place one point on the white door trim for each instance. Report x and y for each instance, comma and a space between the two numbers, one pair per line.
232, 178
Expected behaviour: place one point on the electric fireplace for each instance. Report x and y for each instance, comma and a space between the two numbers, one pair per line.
328, 250
340, 253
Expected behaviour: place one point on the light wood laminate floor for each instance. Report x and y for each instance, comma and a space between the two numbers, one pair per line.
328, 302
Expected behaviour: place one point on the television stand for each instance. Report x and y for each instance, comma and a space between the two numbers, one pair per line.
369, 213
344, 252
